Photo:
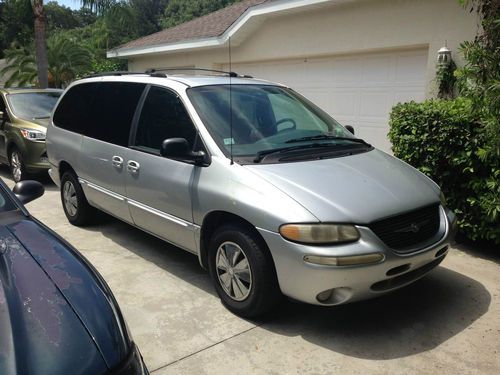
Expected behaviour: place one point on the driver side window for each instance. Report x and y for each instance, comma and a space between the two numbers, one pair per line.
3, 109
163, 116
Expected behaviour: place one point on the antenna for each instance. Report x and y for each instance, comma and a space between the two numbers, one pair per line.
230, 104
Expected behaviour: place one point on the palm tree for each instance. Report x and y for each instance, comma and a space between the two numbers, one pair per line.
20, 66
66, 59
40, 43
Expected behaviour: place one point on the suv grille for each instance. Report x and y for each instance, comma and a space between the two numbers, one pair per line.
409, 229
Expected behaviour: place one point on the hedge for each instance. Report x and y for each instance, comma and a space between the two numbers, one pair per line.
444, 140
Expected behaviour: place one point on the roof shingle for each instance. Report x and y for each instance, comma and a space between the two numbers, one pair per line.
210, 25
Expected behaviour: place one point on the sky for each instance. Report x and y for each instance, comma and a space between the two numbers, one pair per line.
73, 4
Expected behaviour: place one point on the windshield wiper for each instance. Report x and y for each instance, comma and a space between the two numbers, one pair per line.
321, 137
262, 154
40, 117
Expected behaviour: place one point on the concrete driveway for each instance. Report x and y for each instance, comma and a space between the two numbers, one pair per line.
448, 322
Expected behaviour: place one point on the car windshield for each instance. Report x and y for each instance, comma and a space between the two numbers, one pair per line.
33, 105
6, 203
266, 119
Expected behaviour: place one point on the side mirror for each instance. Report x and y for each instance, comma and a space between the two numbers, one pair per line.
178, 148
27, 191
1, 115
350, 128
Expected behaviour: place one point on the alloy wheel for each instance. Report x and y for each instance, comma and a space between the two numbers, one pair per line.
16, 165
233, 271
69, 197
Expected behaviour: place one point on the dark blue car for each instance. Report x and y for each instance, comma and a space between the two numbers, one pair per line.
57, 314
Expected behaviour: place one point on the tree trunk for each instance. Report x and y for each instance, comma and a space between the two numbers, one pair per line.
40, 44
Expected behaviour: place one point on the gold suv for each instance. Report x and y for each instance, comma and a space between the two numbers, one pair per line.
24, 115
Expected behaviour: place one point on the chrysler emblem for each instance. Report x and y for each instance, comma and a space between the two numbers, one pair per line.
413, 227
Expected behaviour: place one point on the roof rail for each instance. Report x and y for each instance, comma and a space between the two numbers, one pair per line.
117, 73
230, 74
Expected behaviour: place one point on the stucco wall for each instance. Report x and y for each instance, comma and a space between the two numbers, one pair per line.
363, 26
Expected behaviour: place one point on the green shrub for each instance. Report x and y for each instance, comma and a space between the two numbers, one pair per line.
445, 140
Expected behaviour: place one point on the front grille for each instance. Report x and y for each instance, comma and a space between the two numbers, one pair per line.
407, 230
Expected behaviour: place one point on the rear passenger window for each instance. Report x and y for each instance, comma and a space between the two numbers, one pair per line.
73, 112
101, 110
113, 111
163, 116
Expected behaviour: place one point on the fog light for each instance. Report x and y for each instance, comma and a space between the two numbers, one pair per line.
324, 295
344, 261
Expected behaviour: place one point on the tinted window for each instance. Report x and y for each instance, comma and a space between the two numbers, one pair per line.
33, 105
163, 116
6, 203
73, 112
113, 111
102, 110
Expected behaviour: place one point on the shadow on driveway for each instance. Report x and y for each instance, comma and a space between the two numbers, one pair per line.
411, 320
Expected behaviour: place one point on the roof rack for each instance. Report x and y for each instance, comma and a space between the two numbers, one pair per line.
117, 73
230, 74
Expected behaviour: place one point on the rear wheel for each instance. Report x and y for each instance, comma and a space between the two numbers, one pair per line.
78, 211
242, 271
17, 167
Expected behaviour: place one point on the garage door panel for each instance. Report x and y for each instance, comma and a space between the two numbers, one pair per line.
408, 68
375, 104
343, 103
377, 70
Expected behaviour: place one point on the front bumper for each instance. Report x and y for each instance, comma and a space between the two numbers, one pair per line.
305, 281
35, 156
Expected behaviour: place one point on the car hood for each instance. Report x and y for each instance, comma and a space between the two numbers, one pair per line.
38, 124
39, 331
355, 189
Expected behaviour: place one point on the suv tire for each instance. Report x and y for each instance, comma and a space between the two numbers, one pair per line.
76, 208
17, 167
242, 271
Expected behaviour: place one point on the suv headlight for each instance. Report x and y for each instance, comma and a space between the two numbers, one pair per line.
33, 135
319, 234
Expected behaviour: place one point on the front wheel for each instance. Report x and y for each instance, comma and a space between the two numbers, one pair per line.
17, 167
78, 211
242, 271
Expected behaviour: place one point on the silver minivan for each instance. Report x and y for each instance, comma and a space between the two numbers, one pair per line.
272, 194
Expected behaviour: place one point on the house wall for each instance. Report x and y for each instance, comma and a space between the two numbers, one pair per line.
358, 27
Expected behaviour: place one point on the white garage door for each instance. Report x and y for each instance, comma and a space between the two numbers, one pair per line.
357, 90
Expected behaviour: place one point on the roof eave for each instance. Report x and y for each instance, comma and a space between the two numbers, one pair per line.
261, 10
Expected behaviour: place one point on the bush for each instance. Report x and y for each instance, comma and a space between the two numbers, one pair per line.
445, 140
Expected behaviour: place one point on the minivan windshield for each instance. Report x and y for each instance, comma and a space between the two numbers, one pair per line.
267, 120
33, 105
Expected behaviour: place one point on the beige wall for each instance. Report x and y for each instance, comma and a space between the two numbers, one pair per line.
363, 26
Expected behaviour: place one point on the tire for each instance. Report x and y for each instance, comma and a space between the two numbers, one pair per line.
246, 291
76, 208
17, 167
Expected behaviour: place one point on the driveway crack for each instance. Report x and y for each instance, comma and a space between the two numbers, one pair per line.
205, 348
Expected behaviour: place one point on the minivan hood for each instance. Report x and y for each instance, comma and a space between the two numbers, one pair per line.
355, 189
39, 330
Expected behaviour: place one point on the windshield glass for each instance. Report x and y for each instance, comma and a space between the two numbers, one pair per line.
33, 105
6, 203
264, 118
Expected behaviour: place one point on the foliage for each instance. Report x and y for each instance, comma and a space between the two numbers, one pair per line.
16, 24
446, 80
66, 58
179, 11
445, 140
21, 66
479, 79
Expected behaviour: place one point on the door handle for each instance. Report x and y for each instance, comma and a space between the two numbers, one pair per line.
117, 161
133, 166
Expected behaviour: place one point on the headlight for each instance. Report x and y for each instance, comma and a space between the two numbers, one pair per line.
33, 135
442, 198
319, 233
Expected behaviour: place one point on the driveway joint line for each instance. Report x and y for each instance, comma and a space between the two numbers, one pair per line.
206, 348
